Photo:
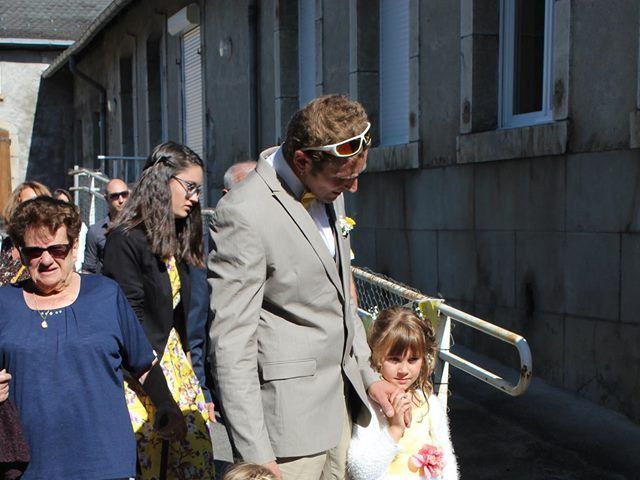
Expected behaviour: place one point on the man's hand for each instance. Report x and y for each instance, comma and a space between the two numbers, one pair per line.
4, 385
274, 468
381, 392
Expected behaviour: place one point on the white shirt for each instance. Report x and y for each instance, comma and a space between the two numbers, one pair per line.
317, 209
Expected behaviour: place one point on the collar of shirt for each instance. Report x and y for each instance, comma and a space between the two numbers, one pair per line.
317, 209
284, 171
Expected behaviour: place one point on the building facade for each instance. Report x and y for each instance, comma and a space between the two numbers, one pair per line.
36, 113
504, 174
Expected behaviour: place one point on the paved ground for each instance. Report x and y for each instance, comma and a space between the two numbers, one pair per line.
545, 434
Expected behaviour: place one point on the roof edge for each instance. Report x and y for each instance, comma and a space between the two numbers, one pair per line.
35, 42
96, 26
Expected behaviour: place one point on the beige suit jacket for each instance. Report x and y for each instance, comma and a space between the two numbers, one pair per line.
284, 333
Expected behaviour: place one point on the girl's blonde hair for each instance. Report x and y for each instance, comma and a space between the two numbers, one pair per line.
397, 330
248, 471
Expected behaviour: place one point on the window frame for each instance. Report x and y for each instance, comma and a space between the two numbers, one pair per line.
506, 119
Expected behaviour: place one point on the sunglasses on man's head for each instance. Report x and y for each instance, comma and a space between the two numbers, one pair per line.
56, 251
347, 148
116, 195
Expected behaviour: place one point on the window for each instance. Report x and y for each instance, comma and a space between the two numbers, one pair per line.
394, 72
192, 91
525, 62
306, 51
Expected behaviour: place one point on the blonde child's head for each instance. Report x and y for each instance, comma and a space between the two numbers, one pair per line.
248, 471
398, 333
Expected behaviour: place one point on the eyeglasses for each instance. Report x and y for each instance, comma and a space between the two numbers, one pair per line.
33, 253
190, 188
116, 195
347, 148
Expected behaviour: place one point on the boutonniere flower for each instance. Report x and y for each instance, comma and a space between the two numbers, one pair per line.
428, 461
346, 225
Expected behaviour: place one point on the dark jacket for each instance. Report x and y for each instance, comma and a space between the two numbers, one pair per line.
143, 277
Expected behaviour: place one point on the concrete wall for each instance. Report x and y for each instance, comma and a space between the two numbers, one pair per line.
38, 116
536, 229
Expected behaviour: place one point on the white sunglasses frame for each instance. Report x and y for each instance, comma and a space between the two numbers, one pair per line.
333, 150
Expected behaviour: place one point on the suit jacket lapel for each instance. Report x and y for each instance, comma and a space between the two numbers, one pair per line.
303, 221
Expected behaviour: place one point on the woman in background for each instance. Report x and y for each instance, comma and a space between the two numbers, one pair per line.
156, 236
11, 269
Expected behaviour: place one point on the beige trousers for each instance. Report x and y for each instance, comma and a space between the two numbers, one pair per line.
329, 465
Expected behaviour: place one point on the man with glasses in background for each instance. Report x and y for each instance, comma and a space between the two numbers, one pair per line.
289, 355
116, 194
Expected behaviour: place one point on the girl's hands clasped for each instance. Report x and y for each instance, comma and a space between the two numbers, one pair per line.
401, 402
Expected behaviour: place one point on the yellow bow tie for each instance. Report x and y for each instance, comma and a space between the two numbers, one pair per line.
306, 199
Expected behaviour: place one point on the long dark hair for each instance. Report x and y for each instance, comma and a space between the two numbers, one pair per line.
150, 205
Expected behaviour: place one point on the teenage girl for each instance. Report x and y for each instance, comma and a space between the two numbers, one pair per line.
403, 351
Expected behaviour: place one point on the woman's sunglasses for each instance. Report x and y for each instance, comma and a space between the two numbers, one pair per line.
347, 148
33, 253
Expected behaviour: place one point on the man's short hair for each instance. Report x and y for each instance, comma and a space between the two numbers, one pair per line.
323, 121
237, 172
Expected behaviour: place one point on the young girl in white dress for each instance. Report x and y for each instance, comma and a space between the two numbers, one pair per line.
403, 351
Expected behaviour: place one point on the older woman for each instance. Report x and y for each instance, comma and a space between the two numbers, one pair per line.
67, 340
11, 270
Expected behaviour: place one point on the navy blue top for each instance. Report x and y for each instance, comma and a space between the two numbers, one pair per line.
67, 380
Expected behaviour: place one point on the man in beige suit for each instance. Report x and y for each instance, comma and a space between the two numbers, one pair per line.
289, 355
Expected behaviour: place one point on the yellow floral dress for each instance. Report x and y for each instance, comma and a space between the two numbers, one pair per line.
192, 457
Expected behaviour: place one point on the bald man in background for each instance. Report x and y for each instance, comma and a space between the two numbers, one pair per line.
116, 195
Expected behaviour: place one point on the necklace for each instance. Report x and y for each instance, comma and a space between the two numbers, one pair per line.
44, 313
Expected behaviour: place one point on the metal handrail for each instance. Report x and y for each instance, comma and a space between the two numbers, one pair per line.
502, 334
410, 297
88, 212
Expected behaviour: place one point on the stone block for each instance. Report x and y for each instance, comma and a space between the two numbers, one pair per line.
520, 195
391, 254
394, 157
630, 279
602, 192
592, 275
540, 272
440, 198
602, 363
604, 53
362, 206
439, 75
457, 265
363, 244
495, 268
423, 260
335, 57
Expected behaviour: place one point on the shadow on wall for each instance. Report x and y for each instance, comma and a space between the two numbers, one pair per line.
52, 141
